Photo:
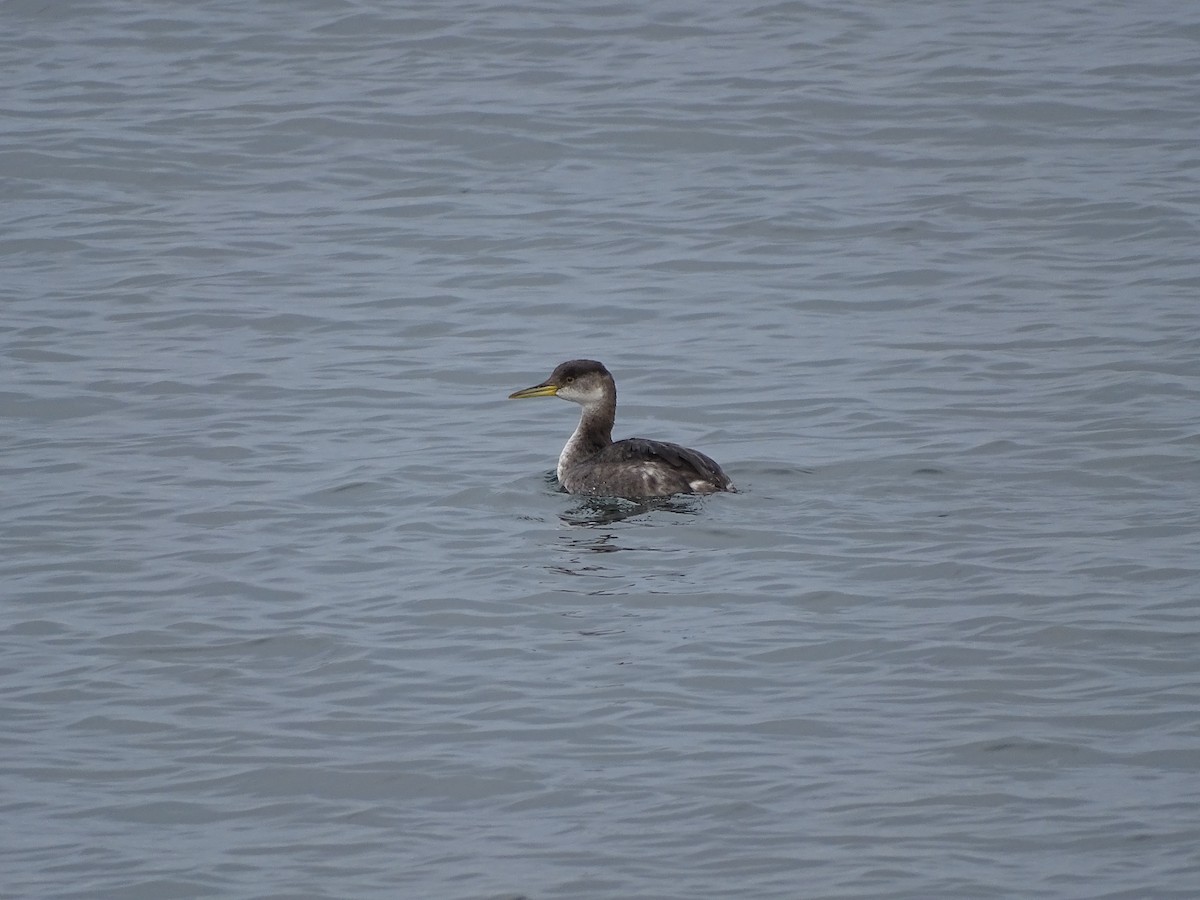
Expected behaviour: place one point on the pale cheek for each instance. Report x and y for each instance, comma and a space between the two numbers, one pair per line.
582, 396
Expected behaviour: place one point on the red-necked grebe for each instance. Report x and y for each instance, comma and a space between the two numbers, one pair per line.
591, 463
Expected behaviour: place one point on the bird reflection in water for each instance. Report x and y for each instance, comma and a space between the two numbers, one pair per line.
600, 511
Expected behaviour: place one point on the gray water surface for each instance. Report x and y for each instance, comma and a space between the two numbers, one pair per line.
290, 605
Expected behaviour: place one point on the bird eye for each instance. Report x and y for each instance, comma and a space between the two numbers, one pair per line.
568, 379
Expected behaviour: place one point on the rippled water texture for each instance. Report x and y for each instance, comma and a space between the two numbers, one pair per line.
290, 605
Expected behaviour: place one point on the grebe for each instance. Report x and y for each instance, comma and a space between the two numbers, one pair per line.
591, 463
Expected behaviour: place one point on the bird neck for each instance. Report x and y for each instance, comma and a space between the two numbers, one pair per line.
596, 422
592, 434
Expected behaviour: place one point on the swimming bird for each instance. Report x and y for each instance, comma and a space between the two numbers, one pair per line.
592, 463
